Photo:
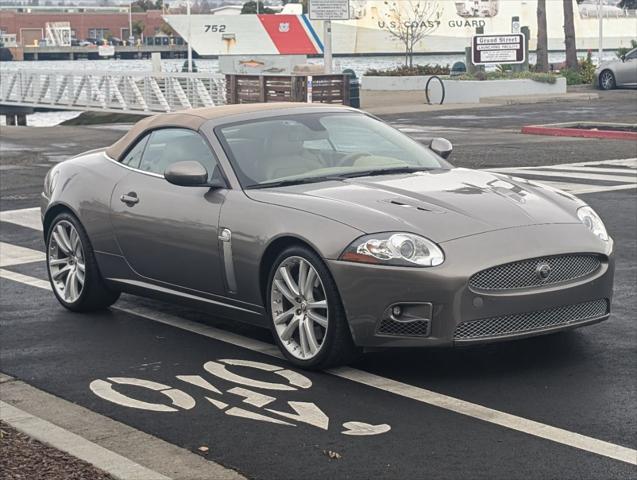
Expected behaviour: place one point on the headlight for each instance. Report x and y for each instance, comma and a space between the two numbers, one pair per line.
592, 221
400, 249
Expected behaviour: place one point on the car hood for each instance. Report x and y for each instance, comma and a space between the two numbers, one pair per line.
442, 204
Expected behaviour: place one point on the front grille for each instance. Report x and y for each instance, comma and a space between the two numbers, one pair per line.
528, 322
525, 273
408, 328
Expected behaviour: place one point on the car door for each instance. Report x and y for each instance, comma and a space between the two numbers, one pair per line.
627, 70
169, 233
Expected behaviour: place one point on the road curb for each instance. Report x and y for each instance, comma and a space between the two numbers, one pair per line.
117, 449
555, 131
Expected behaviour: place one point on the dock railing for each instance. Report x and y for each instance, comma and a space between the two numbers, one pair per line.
111, 91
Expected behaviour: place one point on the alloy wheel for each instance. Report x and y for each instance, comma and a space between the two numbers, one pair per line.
66, 259
607, 80
299, 308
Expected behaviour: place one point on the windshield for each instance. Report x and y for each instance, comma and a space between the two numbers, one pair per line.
320, 146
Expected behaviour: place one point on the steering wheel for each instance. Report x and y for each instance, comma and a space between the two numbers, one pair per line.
349, 159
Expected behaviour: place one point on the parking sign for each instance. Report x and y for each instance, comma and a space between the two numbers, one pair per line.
508, 48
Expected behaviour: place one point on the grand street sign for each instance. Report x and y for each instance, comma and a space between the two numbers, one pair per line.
508, 48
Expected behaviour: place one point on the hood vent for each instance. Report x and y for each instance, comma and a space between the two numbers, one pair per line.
400, 203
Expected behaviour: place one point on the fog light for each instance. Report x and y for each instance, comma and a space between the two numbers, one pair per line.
396, 311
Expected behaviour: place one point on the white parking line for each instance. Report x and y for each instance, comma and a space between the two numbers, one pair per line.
582, 188
422, 395
102, 458
625, 162
574, 174
27, 217
15, 255
626, 172
564, 176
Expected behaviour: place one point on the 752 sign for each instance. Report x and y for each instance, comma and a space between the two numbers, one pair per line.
214, 28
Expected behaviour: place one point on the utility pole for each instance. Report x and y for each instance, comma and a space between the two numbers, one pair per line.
130, 20
189, 37
600, 18
327, 40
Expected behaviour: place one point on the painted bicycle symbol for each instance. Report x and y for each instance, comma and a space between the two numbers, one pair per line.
249, 390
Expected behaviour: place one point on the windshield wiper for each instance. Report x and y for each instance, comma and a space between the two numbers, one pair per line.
296, 181
386, 171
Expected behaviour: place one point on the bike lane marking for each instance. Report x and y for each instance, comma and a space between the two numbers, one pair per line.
503, 419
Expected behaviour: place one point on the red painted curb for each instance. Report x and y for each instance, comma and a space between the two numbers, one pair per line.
576, 132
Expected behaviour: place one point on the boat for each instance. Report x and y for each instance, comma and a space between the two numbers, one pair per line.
448, 26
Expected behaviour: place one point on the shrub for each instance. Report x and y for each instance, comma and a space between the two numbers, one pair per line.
508, 75
404, 71
587, 69
573, 77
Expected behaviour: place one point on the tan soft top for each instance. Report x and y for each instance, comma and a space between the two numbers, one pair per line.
194, 118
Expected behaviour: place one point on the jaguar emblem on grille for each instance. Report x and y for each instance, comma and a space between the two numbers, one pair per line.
543, 271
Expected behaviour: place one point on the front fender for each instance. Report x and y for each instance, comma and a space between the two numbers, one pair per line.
256, 225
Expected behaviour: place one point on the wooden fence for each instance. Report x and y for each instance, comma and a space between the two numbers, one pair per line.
263, 88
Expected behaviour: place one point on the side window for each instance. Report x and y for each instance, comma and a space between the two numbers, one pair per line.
135, 154
632, 55
170, 145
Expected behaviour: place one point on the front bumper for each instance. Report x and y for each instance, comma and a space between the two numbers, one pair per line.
369, 291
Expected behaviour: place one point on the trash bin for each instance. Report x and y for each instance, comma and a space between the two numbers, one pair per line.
354, 88
457, 69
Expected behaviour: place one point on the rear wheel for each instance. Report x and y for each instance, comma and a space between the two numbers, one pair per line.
73, 272
305, 310
607, 80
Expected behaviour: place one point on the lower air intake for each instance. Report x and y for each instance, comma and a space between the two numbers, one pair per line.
407, 328
520, 323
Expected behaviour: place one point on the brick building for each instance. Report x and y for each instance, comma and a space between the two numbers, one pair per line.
29, 24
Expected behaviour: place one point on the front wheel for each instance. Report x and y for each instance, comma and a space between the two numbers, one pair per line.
73, 273
306, 315
607, 80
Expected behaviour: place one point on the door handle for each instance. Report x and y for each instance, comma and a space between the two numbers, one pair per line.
129, 199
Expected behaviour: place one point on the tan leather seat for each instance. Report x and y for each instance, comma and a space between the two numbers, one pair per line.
286, 157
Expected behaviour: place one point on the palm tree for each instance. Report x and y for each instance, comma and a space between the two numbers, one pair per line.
569, 36
542, 64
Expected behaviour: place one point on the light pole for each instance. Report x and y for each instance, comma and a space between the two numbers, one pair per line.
327, 46
130, 20
188, 33
600, 17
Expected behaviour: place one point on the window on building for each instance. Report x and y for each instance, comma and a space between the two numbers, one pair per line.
99, 33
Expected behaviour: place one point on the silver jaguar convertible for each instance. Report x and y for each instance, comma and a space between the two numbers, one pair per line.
326, 225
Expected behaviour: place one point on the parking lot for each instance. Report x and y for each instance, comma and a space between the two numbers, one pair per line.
559, 406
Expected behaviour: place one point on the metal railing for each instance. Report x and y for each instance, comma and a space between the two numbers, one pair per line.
122, 92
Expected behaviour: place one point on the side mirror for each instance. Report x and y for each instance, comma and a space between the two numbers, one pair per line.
187, 174
442, 147
623, 58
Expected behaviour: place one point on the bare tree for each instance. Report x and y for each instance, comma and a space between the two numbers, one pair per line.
542, 63
569, 36
409, 22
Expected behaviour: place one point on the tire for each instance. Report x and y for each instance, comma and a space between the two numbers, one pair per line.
88, 295
607, 80
336, 345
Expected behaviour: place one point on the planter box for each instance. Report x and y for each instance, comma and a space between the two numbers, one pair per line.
394, 83
460, 91
471, 91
